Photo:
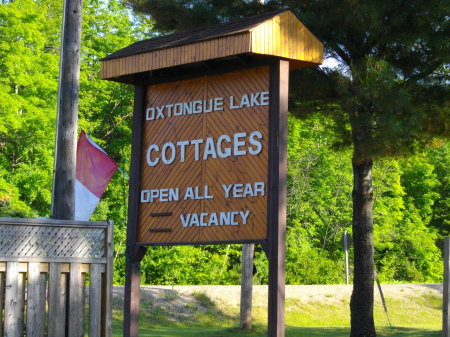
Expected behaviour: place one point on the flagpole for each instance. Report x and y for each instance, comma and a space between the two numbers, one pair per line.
63, 190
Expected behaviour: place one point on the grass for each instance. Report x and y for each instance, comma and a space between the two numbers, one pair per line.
290, 332
414, 316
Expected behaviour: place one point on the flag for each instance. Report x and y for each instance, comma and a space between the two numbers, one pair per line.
94, 171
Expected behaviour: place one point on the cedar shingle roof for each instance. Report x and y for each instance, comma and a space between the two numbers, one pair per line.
194, 35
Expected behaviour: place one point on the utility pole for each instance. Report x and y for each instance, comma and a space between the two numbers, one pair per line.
64, 175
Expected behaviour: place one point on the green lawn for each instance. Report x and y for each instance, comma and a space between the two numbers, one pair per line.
290, 332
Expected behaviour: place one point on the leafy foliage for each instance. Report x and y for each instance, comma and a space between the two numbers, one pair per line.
411, 191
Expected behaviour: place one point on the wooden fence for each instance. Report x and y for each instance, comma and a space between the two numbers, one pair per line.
55, 278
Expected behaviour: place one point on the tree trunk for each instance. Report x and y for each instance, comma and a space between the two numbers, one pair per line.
362, 300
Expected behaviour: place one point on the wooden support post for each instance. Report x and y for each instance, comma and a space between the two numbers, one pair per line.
247, 286
446, 293
346, 256
63, 193
134, 254
107, 283
279, 85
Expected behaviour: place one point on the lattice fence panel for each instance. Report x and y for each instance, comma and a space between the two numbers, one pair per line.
45, 241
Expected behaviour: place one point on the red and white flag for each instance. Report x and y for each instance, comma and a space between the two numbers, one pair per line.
94, 171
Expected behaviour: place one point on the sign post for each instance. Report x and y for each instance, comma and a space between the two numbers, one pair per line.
209, 141
279, 80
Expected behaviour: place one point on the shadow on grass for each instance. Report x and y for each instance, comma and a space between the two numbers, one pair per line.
290, 332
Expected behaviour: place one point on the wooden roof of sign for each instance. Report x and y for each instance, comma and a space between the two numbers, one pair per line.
275, 34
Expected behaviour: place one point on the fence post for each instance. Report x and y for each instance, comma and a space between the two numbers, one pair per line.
446, 302
247, 286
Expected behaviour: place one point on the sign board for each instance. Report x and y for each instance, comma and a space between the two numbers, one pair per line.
204, 160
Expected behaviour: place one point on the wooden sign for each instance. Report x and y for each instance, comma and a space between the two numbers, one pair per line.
204, 160
209, 154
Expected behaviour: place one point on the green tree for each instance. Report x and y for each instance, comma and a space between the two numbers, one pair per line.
405, 244
106, 108
439, 156
319, 180
29, 52
393, 56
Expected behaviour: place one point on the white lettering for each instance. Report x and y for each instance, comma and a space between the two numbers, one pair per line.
237, 190
189, 194
227, 152
197, 143
182, 145
254, 99
244, 101
226, 189
238, 142
225, 218
218, 104
150, 114
151, 148
160, 113
265, 98
185, 220
202, 218
259, 189
163, 194
232, 105
213, 219
234, 218
256, 143
234, 223
164, 153
206, 106
210, 149
244, 216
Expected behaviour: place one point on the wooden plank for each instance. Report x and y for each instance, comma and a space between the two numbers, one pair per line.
44, 267
95, 292
446, 292
84, 303
42, 316
35, 324
13, 325
272, 37
57, 295
52, 223
107, 283
26, 259
2, 301
76, 302
232, 170
21, 301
